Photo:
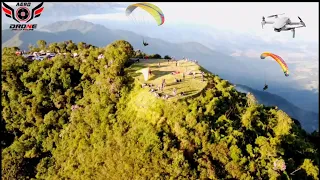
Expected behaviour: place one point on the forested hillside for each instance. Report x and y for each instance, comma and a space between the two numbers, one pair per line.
85, 117
309, 120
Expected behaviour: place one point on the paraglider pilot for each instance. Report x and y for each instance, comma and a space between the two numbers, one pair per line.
145, 43
149, 8
265, 87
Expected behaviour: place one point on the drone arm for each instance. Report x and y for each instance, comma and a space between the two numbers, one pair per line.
295, 23
299, 26
290, 28
268, 22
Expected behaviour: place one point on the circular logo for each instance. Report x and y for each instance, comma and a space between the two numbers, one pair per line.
23, 14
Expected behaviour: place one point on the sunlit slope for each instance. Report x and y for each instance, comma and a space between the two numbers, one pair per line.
189, 86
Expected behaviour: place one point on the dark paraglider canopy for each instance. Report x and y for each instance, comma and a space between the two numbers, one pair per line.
265, 87
145, 43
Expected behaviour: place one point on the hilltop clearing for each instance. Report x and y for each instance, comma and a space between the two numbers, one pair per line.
171, 71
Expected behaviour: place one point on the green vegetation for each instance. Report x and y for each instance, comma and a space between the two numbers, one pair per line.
88, 118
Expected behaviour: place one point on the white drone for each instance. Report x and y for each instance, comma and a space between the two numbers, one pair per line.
283, 23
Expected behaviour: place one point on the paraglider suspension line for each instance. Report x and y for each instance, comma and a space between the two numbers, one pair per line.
144, 24
136, 22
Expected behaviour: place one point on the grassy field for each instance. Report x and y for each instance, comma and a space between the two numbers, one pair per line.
189, 86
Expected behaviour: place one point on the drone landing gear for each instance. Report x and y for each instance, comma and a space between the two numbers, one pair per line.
293, 32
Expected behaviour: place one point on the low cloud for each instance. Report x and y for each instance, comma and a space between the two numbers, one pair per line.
252, 53
109, 16
313, 85
237, 53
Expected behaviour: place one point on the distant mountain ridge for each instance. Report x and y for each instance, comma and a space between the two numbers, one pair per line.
77, 24
309, 120
79, 30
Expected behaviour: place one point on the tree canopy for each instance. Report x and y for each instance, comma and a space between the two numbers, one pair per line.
86, 118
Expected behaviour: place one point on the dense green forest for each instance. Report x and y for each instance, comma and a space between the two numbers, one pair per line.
85, 118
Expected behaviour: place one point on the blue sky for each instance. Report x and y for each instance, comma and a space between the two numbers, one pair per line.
240, 17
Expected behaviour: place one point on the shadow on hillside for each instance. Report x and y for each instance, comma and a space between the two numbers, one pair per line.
157, 74
187, 93
173, 83
135, 74
161, 66
168, 88
132, 70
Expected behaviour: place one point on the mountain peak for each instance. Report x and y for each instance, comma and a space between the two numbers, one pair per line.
76, 24
80, 21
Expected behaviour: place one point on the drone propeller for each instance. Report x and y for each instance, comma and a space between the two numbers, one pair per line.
263, 21
303, 24
275, 15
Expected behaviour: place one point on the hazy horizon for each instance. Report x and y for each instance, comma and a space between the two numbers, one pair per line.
224, 16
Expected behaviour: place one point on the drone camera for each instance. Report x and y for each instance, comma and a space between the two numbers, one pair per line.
277, 30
